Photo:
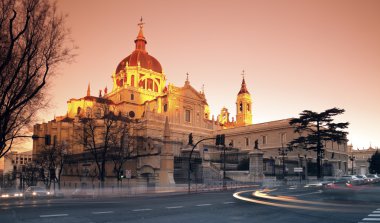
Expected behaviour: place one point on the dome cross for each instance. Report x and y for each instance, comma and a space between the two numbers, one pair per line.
141, 23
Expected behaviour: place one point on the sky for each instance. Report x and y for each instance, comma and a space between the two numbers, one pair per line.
296, 54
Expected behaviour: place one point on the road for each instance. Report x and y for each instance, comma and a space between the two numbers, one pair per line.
200, 207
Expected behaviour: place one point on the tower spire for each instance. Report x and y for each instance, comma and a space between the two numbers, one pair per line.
140, 40
187, 82
88, 90
243, 88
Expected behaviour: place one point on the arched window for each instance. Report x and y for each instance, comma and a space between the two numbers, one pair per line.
150, 84
132, 97
142, 84
133, 80
248, 105
78, 110
241, 106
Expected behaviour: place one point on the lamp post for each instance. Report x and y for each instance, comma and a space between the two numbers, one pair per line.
191, 153
273, 163
352, 158
224, 167
283, 152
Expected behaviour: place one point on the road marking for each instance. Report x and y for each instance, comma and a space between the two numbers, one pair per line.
53, 215
145, 209
374, 215
371, 219
174, 207
201, 205
102, 212
375, 211
229, 202
378, 209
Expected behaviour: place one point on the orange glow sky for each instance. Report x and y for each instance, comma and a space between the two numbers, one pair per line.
296, 54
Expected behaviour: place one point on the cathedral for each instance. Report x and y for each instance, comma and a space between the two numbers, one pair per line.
163, 116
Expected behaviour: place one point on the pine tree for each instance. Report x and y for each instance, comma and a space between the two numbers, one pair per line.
316, 127
374, 163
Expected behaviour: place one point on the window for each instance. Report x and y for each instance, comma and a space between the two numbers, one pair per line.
88, 112
283, 137
264, 139
132, 97
187, 116
150, 84
247, 141
131, 114
165, 107
248, 105
132, 81
142, 84
241, 107
98, 113
78, 110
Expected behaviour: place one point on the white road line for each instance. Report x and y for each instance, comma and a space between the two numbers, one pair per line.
145, 209
371, 219
378, 209
102, 212
375, 211
229, 202
201, 205
53, 215
374, 215
174, 207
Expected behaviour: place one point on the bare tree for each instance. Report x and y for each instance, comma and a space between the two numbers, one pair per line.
96, 137
32, 174
53, 159
33, 42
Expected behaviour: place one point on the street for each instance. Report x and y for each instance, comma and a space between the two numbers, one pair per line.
199, 207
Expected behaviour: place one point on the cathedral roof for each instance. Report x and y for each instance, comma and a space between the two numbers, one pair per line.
140, 55
243, 89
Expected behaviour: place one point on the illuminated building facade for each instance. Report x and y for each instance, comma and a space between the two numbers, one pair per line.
164, 115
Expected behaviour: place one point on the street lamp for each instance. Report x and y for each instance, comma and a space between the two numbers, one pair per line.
283, 152
352, 158
273, 163
191, 153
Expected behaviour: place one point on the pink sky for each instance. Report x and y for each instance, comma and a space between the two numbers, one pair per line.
296, 54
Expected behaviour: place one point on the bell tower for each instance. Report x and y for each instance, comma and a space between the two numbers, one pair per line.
243, 106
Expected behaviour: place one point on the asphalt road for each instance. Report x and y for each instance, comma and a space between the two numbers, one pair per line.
202, 207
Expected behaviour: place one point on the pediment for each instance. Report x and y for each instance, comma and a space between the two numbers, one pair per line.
189, 92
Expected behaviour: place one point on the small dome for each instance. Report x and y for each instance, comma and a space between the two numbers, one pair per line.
146, 61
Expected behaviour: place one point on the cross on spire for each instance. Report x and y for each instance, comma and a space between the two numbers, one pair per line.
187, 76
141, 23
243, 74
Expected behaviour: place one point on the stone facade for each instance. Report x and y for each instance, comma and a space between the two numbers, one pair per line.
360, 163
163, 115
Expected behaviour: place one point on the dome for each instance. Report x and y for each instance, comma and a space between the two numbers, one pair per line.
146, 61
140, 55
